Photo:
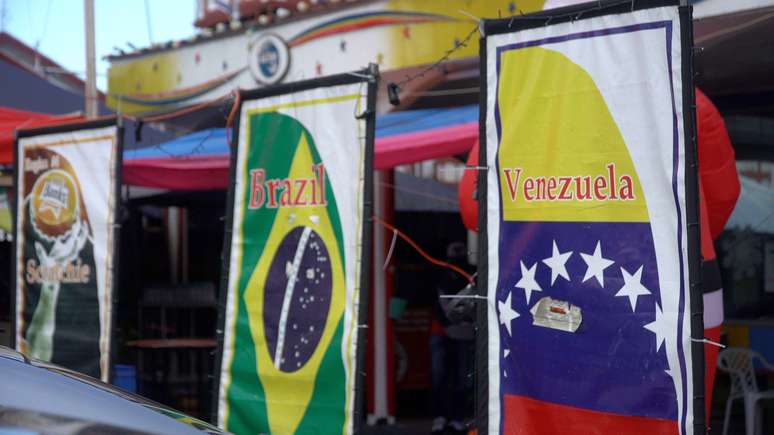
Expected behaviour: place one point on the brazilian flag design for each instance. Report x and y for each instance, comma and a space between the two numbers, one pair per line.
287, 372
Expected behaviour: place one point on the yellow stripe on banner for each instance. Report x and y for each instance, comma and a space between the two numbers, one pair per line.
276, 107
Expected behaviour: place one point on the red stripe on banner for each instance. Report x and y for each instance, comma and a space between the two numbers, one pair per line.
190, 173
522, 415
428, 144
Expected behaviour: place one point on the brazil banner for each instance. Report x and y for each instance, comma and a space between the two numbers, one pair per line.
297, 252
590, 211
67, 186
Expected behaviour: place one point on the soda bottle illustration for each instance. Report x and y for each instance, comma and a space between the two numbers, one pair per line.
60, 310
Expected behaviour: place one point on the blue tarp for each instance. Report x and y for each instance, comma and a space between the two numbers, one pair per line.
212, 142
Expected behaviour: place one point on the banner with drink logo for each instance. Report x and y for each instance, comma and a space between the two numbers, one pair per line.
590, 211
297, 251
65, 241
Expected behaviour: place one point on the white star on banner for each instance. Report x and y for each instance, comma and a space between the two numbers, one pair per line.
506, 312
557, 262
658, 327
596, 265
632, 287
527, 281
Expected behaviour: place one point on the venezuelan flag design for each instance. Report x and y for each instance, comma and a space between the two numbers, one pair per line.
587, 316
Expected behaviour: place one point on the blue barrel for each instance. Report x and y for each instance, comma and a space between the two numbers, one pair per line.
125, 377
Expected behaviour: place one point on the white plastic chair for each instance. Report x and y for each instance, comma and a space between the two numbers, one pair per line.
739, 363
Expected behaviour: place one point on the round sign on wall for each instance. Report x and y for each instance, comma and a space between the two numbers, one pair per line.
269, 58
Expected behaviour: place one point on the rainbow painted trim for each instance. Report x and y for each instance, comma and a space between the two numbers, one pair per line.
364, 20
178, 95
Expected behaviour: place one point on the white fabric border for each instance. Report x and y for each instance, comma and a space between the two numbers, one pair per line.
648, 60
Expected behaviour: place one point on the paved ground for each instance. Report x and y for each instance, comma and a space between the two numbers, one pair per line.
402, 427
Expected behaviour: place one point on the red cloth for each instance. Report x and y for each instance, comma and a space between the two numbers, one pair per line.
12, 119
717, 164
190, 173
424, 145
719, 190
466, 191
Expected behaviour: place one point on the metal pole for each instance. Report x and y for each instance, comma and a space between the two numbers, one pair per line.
380, 309
91, 73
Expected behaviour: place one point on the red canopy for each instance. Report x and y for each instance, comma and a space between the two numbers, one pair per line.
12, 119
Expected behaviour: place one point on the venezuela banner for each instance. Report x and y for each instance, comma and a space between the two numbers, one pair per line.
296, 258
65, 246
590, 195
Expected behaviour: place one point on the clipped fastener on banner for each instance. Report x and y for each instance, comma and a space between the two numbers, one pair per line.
556, 314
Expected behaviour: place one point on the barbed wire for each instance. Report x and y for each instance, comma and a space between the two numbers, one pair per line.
394, 88
458, 45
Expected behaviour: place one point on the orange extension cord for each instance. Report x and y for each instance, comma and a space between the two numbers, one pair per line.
421, 252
